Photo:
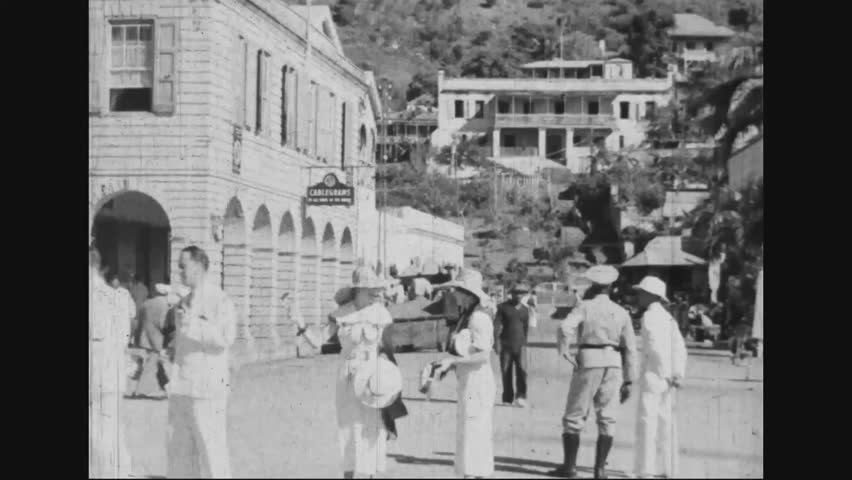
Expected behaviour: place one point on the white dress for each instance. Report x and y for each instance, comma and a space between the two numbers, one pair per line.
362, 434
476, 390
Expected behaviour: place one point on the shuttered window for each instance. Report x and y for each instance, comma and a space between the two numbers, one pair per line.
239, 80
131, 67
284, 105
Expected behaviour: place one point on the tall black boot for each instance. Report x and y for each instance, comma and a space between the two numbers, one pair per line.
570, 445
601, 452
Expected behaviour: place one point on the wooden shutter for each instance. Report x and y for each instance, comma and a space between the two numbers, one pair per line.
165, 66
251, 88
239, 78
292, 114
97, 47
262, 82
350, 145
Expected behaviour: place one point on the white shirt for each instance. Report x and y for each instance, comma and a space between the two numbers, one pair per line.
663, 349
204, 335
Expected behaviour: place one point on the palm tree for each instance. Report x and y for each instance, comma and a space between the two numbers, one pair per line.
736, 103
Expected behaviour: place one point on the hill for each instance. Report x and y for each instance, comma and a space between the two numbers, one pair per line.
401, 40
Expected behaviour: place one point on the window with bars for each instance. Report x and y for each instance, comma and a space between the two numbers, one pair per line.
131, 81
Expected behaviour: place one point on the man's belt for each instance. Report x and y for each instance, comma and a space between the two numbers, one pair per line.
600, 347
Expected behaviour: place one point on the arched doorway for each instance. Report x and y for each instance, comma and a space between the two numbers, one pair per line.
309, 274
260, 300
235, 274
347, 259
288, 272
131, 232
328, 279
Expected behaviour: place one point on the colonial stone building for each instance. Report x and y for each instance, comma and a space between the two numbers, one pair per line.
208, 120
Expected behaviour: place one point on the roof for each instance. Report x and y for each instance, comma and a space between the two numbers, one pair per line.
556, 85
559, 63
424, 98
665, 251
425, 117
692, 25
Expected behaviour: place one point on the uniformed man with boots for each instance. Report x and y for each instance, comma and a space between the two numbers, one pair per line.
604, 368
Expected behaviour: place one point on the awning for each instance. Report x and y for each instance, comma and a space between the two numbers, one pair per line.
664, 252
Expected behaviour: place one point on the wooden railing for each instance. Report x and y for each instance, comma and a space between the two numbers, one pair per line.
552, 120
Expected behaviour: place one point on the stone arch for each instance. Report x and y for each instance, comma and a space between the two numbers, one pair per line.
261, 275
328, 272
346, 261
235, 263
288, 274
132, 231
309, 273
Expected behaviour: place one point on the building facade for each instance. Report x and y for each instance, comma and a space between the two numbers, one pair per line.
415, 237
208, 120
560, 111
696, 40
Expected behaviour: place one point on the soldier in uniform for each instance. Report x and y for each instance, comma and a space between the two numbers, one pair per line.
603, 368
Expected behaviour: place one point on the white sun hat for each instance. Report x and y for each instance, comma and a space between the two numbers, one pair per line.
468, 280
377, 383
654, 286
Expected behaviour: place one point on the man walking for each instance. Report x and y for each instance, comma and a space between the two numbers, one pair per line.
603, 368
152, 322
108, 334
663, 368
205, 323
511, 326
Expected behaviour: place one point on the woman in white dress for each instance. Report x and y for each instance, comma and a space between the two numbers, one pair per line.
361, 320
474, 338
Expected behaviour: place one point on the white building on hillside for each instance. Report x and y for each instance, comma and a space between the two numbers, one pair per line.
560, 111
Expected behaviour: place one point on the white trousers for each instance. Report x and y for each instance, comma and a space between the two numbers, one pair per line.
655, 432
197, 444
108, 454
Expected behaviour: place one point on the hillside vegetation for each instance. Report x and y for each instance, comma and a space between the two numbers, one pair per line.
409, 40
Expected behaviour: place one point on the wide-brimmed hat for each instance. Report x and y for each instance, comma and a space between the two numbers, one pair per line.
602, 274
654, 286
377, 383
362, 277
470, 281
521, 288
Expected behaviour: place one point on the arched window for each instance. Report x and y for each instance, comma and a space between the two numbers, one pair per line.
362, 138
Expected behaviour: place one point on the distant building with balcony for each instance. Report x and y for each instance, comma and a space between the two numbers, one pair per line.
561, 110
404, 135
696, 40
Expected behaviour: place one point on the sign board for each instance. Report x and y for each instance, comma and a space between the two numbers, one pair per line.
330, 192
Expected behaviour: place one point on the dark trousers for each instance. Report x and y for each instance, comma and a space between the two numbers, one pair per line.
510, 359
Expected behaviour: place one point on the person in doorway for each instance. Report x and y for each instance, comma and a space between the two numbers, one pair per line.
361, 319
511, 327
663, 366
138, 290
205, 326
108, 333
604, 368
472, 344
152, 322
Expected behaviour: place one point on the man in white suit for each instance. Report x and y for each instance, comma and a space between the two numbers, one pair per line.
663, 366
205, 324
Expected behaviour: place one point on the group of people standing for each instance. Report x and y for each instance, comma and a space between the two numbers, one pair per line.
198, 382
369, 384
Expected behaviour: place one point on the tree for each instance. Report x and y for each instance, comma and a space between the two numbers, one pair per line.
644, 29
343, 12
421, 83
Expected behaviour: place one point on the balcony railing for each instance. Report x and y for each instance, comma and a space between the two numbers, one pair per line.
552, 120
518, 151
699, 56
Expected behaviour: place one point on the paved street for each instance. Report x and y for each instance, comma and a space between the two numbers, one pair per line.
282, 421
